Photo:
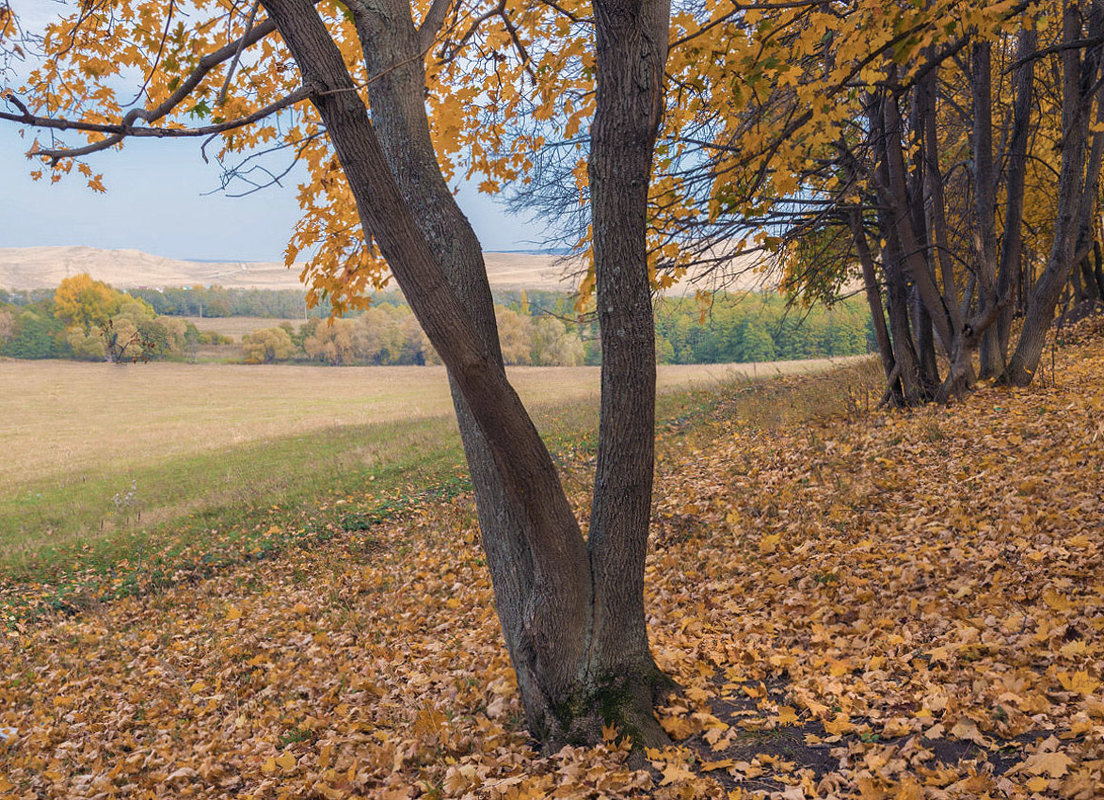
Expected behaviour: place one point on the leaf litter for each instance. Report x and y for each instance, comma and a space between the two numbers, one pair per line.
899, 605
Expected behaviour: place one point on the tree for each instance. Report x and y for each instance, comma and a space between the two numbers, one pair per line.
85, 303
104, 323
863, 139
7, 325
267, 345
515, 332
571, 609
552, 345
335, 343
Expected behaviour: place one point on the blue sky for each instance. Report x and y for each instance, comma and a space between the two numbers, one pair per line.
158, 199
156, 202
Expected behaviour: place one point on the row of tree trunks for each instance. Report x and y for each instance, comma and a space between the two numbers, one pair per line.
930, 310
1080, 72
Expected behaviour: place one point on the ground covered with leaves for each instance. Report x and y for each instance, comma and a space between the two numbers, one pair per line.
895, 605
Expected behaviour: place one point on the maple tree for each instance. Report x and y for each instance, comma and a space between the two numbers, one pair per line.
571, 608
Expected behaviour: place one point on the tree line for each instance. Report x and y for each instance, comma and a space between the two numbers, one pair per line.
86, 319
83, 317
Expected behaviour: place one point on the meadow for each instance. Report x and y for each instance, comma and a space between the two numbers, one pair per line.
99, 458
238, 327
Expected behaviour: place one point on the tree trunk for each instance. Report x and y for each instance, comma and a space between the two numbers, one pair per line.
1009, 276
894, 196
1075, 114
631, 53
985, 203
873, 293
1090, 204
935, 194
925, 347
392, 50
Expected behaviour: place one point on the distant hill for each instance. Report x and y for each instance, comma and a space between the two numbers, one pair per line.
46, 267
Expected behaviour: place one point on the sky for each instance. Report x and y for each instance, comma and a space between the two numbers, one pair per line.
159, 199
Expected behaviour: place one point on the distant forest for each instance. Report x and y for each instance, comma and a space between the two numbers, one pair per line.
537, 328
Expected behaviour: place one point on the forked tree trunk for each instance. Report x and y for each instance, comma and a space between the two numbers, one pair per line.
573, 619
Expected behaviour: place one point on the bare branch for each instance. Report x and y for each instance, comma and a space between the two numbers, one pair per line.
560, 9
499, 8
237, 54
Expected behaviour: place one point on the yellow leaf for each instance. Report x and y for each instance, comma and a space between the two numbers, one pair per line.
198, 686
1059, 602
609, 733
675, 773
787, 715
840, 725
1075, 648
269, 766
725, 763
768, 544
300, 609
286, 761
815, 708
967, 730
233, 613
1053, 764
677, 727
1080, 682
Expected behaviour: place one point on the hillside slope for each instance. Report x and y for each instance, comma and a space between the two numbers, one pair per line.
45, 267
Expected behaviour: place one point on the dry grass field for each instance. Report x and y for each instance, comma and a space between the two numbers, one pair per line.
117, 458
64, 416
238, 326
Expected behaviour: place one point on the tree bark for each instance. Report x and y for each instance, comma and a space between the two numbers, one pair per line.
1075, 114
985, 203
392, 50
631, 53
1011, 265
552, 643
572, 613
873, 292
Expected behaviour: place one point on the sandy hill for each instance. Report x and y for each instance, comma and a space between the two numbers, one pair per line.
45, 267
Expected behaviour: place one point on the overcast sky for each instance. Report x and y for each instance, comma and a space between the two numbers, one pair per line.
156, 200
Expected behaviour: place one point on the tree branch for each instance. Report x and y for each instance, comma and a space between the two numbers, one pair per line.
237, 53
431, 25
126, 129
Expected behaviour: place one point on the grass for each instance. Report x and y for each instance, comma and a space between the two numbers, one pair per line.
239, 326
146, 467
